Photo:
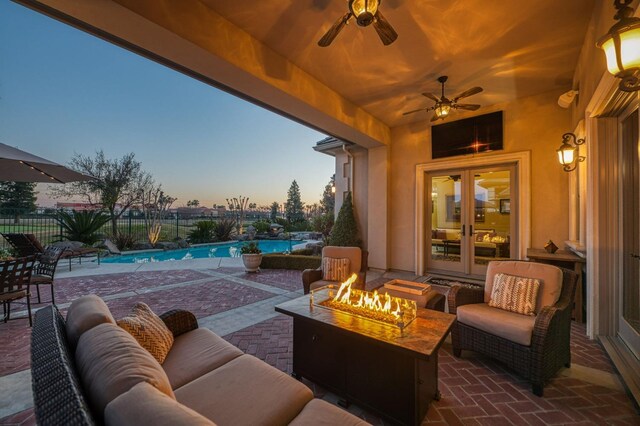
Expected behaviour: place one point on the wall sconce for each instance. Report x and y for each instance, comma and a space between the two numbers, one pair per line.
621, 45
568, 153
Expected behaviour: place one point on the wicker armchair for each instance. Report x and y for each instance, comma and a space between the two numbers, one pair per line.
548, 350
313, 278
14, 283
45, 270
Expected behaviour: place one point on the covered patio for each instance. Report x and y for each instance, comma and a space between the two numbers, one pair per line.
239, 307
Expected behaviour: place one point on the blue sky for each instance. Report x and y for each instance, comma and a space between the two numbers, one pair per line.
63, 91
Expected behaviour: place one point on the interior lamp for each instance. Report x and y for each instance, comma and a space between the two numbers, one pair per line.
621, 46
568, 153
364, 10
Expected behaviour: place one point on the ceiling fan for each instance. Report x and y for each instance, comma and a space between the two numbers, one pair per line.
443, 105
366, 13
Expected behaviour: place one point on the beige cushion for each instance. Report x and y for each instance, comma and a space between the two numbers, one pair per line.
321, 413
550, 278
246, 391
354, 254
145, 405
196, 353
508, 325
85, 313
514, 294
149, 330
110, 362
335, 269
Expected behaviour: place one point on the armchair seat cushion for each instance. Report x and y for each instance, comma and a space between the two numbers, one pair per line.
195, 354
514, 327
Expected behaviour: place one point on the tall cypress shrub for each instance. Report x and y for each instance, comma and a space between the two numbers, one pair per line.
345, 230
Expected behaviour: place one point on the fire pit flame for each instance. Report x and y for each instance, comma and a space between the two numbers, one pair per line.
376, 306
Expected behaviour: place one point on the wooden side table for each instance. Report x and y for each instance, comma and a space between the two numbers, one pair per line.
564, 259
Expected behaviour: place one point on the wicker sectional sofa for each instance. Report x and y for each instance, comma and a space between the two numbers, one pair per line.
87, 370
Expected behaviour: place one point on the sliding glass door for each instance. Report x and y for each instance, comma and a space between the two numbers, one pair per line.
471, 214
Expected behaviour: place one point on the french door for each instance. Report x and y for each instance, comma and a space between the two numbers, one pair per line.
471, 219
629, 297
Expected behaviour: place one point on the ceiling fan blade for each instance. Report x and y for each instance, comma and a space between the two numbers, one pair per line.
415, 110
385, 31
334, 30
470, 107
431, 96
468, 93
435, 118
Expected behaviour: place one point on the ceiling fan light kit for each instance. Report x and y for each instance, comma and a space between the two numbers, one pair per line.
366, 12
443, 105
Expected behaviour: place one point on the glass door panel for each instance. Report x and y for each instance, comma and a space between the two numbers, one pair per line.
491, 235
444, 242
629, 323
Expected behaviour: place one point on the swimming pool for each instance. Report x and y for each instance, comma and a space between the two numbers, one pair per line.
231, 249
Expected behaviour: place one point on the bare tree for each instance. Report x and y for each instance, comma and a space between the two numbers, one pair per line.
155, 204
118, 182
238, 206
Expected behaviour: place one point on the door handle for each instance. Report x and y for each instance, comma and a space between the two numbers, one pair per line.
462, 231
470, 230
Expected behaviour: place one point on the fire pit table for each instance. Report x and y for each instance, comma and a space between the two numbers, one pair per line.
389, 369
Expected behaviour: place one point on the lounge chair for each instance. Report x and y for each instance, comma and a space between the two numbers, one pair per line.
28, 245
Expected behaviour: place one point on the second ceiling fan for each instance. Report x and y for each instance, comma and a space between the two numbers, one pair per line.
443, 105
366, 13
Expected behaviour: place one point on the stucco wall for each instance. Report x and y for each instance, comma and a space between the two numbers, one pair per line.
360, 186
535, 124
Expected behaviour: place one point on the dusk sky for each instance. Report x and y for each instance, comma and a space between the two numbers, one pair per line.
63, 91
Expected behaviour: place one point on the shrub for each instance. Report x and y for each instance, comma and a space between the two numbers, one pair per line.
5, 254
290, 261
299, 226
250, 248
124, 241
204, 232
262, 226
303, 252
225, 229
81, 226
323, 224
345, 230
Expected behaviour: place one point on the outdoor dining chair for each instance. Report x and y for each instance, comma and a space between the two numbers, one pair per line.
15, 276
45, 269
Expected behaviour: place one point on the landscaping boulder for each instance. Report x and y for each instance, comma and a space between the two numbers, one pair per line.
316, 248
181, 242
167, 245
108, 245
142, 246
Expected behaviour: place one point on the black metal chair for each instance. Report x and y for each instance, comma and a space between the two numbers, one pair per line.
45, 269
15, 276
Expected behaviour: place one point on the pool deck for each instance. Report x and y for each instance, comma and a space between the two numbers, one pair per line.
240, 307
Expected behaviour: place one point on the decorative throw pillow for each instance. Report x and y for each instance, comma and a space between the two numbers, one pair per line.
514, 294
335, 269
149, 330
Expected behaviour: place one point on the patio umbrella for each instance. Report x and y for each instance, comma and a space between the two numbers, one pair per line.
20, 166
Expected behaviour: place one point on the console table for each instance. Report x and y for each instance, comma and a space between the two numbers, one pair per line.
392, 373
564, 259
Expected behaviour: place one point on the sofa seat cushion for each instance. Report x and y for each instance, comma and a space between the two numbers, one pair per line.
508, 325
145, 405
321, 413
85, 313
196, 353
246, 391
110, 362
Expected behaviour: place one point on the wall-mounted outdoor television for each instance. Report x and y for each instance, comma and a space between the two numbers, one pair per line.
469, 136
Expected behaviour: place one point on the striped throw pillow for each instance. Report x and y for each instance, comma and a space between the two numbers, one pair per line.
149, 330
515, 294
335, 269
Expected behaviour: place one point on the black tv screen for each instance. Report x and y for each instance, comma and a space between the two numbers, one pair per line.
469, 136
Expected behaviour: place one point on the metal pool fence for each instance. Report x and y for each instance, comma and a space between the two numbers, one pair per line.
43, 225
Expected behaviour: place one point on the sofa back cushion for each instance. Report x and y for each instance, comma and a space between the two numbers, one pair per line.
85, 313
354, 254
144, 404
550, 278
110, 362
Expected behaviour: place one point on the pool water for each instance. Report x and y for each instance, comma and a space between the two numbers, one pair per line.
231, 249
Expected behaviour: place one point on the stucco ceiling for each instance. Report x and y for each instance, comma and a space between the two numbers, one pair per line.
512, 49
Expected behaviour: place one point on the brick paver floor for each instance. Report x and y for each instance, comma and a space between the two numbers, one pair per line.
475, 390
